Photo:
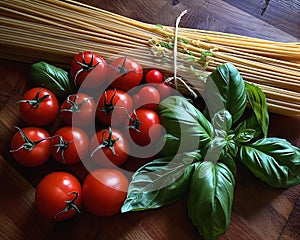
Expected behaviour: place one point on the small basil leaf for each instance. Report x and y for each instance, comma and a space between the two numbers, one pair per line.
273, 160
55, 79
185, 122
250, 122
225, 89
210, 198
222, 120
160, 182
245, 135
258, 102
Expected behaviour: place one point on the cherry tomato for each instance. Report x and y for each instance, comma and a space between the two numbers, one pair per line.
104, 191
31, 146
88, 70
144, 127
125, 73
165, 90
136, 100
38, 107
114, 107
78, 110
58, 196
109, 147
70, 145
150, 97
154, 76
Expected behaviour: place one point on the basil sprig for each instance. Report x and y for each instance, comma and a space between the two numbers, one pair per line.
55, 79
199, 152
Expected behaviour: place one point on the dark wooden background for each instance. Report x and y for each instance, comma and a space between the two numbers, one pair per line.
259, 211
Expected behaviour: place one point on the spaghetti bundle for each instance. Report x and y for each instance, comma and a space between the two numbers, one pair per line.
53, 31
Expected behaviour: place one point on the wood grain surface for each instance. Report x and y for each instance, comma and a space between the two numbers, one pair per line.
259, 211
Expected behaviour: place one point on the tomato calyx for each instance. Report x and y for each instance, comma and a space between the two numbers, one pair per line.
28, 144
36, 101
135, 122
85, 66
62, 146
107, 143
121, 69
70, 204
75, 107
108, 106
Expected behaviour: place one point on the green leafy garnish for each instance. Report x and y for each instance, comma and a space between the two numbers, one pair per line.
55, 79
199, 152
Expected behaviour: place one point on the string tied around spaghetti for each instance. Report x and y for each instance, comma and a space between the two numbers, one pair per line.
175, 77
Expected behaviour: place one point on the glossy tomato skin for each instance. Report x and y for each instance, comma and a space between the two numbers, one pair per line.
114, 107
88, 70
144, 128
104, 191
39, 153
150, 97
165, 90
125, 73
154, 76
78, 110
53, 191
70, 145
115, 150
38, 107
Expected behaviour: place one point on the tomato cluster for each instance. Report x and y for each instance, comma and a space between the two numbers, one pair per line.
110, 117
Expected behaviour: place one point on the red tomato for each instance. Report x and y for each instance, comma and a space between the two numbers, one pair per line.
104, 191
165, 90
38, 107
58, 196
88, 70
109, 147
154, 76
31, 146
150, 97
70, 145
125, 73
114, 107
144, 127
136, 100
78, 110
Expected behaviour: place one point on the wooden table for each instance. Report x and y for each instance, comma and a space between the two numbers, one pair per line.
259, 211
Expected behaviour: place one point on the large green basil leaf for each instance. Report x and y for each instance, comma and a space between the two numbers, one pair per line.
160, 182
210, 198
172, 145
55, 79
185, 122
225, 89
274, 160
258, 102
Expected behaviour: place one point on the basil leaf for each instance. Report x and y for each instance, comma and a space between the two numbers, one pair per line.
222, 120
160, 182
245, 135
173, 145
55, 79
273, 160
258, 102
184, 122
225, 89
250, 122
210, 198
